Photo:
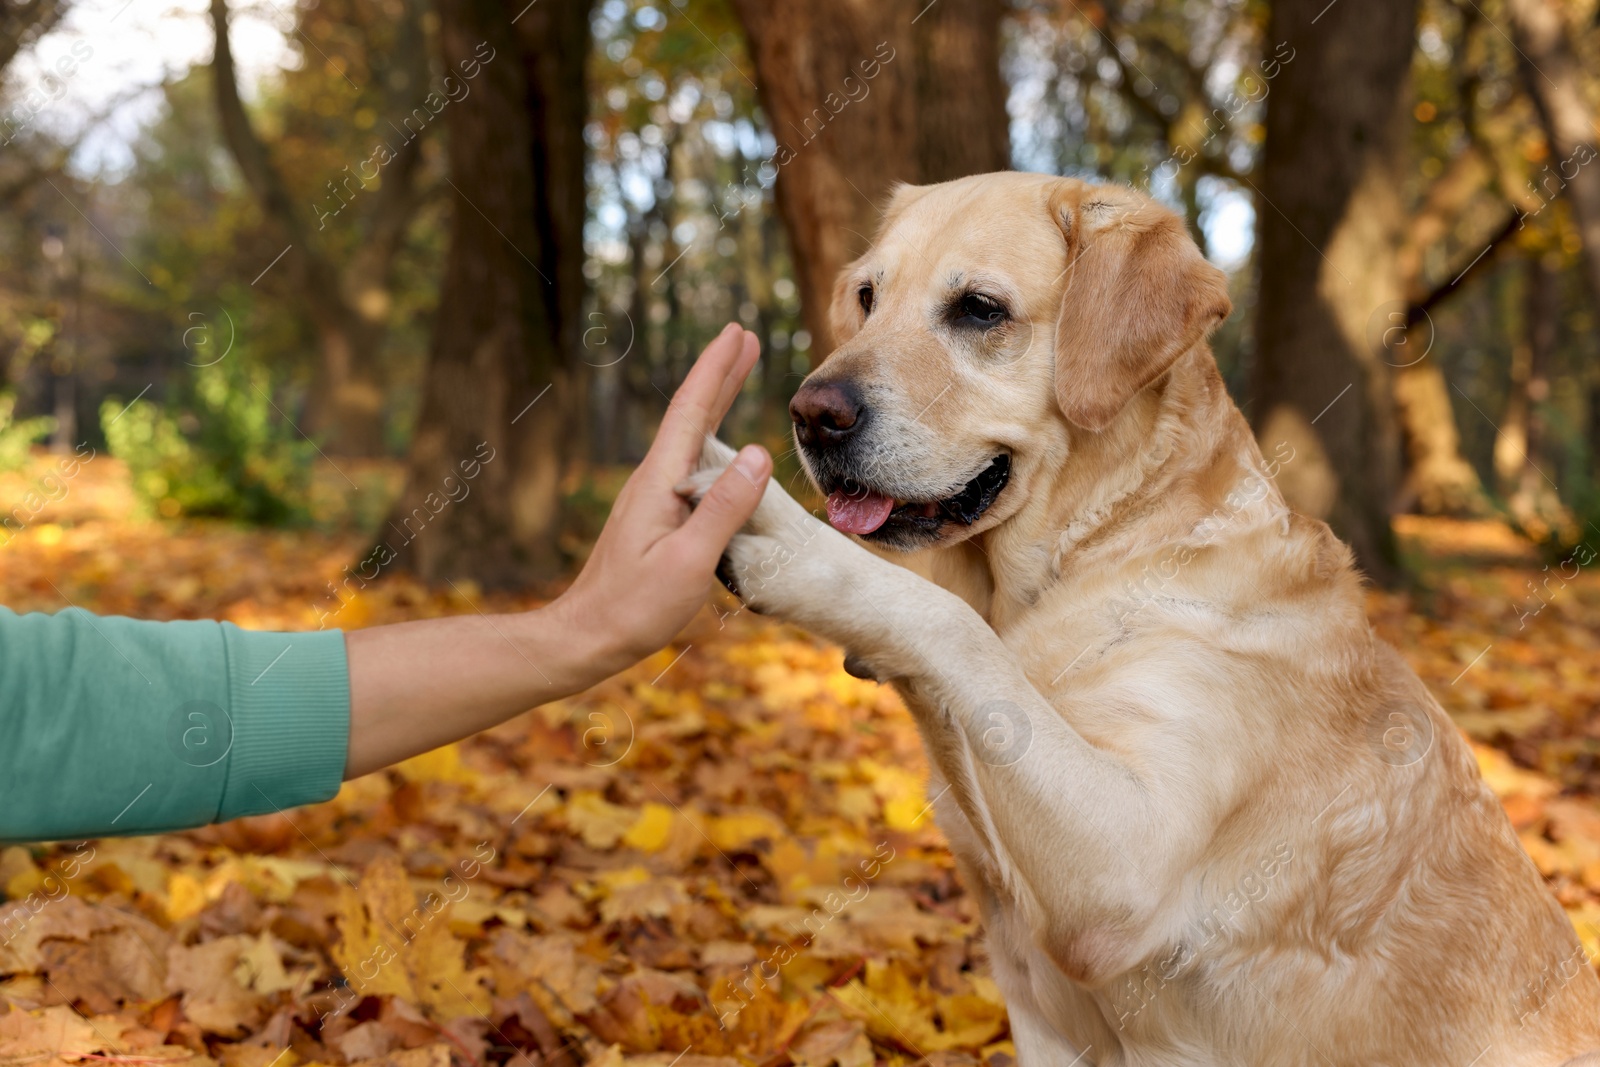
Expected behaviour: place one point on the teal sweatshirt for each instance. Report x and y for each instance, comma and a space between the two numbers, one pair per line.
118, 726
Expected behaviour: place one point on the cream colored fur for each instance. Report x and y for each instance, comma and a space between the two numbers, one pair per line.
1209, 817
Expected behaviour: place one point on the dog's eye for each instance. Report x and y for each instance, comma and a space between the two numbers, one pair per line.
975, 309
865, 296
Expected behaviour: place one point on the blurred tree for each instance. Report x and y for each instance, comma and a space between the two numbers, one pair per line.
1444, 247
1501, 182
483, 487
860, 97
1521, 434
1168, 96
682, 234
1162, 94
1331, 214
1437, 479
24, 21
344, 285
1172, 96
30, 314
1553, 75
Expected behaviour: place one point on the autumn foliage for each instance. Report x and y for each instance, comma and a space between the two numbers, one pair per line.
724, 856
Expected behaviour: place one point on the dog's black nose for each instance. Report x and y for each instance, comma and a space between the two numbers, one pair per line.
825, 413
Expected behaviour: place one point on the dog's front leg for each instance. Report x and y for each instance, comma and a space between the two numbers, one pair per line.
1088, 850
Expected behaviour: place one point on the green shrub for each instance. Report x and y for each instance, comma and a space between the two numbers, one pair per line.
229, 454
17, 436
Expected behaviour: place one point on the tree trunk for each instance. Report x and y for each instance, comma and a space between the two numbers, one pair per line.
1592, 427
1519, 438
483, 492
346, 406
860, 97
1511, 433
1331, 216
1438, 480
1554, 77
348, 308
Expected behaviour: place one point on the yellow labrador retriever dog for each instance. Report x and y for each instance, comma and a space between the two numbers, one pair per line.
1209, 818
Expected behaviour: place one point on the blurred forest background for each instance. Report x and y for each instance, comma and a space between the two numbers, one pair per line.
433, 231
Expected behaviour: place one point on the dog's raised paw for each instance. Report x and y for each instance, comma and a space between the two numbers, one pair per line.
783, 555
728, 575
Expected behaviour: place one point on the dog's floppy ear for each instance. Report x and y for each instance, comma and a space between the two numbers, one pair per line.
1138, 295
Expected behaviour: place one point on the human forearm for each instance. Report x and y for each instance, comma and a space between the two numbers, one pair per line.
417, 685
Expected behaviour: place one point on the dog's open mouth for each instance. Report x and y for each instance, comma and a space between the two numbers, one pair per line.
858, 510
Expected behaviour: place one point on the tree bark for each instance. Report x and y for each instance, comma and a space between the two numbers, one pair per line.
483, 492
1554, 78
1331, 218
861, 97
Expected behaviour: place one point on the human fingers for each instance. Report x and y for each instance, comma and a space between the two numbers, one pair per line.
749, 352
685, 425
726, 506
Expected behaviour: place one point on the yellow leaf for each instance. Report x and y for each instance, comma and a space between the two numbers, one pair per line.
971, 1020
657, 897
904, 795
789, 864
468, 915
1586, 920
895, 1008
353, 612
19, 875
731, 832
599, 822
138, 868
59, 1031
260, 967
907, 812
440, 765
652, 830
856, 803
392, 943
185, 896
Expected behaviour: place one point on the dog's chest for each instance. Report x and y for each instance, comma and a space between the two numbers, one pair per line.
1053, 1019
1156, 1015
1153, 1015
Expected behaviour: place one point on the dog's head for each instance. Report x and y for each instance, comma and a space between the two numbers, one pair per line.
988, 310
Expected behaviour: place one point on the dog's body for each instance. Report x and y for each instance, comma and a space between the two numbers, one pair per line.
1209, 817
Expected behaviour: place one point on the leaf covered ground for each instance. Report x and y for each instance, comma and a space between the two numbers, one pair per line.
722, 857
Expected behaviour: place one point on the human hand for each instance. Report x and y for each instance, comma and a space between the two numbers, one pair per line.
655, 559
649, 574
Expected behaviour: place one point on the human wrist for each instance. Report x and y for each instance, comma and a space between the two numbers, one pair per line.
594, 647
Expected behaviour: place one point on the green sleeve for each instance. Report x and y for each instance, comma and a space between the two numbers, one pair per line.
118, 726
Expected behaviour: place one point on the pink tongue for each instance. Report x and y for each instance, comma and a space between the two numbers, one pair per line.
858, 512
